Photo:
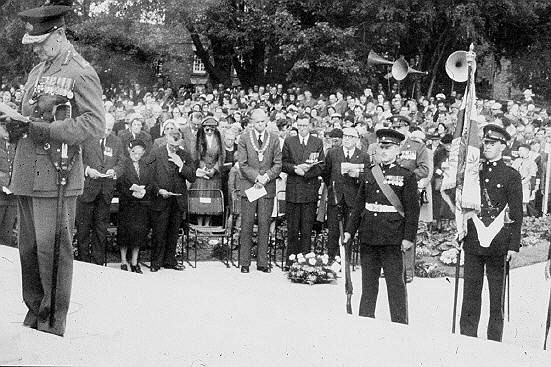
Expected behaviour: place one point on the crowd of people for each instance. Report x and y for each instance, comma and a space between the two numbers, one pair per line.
211, 125
372, 164
287, 144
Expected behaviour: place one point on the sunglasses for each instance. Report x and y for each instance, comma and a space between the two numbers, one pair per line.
209, 129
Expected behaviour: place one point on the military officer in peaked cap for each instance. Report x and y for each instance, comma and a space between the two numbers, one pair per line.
492, 236
385, 213
63, 103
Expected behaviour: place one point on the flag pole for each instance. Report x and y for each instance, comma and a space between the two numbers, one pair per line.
460, 175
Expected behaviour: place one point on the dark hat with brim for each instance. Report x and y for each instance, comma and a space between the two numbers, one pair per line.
335, 133
399, 121
389, 136
44, 20
209, 121
135, 143
496, 133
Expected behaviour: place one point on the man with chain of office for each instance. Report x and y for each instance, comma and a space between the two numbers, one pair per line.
61, 109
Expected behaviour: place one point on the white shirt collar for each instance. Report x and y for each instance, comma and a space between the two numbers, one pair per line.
350, 152
257, 134
304, 139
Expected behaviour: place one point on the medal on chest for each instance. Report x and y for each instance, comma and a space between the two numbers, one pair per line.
394, 180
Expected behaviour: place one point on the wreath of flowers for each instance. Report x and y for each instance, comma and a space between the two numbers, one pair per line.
313, 269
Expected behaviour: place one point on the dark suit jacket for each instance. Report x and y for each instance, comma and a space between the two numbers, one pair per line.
302, 189
346, 186
126, 137
251, 167
165, 175
94, 157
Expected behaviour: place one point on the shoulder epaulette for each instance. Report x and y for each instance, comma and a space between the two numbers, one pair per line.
80, 60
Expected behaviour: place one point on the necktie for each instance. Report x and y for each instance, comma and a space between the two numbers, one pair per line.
347, 156
259, 141
102, 142
304, 143
137, 167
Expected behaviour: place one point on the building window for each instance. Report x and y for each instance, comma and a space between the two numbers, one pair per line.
198, 66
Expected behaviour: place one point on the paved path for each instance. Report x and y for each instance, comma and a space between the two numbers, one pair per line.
213, 316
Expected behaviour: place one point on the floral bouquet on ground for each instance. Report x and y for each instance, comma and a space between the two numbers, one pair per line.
312, 268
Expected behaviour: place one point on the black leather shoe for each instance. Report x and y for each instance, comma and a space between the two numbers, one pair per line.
264, 269
136, 269
154, 268
175, 267
244, 269
124, 267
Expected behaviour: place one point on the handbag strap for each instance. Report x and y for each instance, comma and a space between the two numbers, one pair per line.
387, 190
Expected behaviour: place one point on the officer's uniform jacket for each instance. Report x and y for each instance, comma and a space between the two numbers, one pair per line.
503, 185
111, 157
380, 228
346, 186
33, 172
7, 154
414, 156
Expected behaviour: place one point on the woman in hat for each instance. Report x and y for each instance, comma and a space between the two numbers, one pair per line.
133, 188
210, 158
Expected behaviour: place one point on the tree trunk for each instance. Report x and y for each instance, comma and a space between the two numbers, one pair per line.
215, 75
437, 59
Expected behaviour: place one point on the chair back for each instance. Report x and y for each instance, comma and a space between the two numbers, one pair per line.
205, 202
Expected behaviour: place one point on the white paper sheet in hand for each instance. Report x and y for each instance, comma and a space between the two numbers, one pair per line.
255, 193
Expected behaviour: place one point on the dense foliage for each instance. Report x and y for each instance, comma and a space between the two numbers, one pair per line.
314, 42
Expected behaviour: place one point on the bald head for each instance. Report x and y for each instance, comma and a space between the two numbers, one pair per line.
259, 119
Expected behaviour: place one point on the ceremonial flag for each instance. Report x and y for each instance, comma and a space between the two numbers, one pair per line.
462, 173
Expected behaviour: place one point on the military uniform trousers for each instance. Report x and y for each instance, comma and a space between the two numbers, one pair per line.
333, 226
8, 218
389, 258
92, 222
472, 294
263, 208
36, 250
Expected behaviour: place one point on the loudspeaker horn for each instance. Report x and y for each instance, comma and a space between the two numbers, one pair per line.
401, 69
456, 66
374, 59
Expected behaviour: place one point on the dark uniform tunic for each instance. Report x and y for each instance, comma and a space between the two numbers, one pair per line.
34, 180
8, 203
503, 186
381, 231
